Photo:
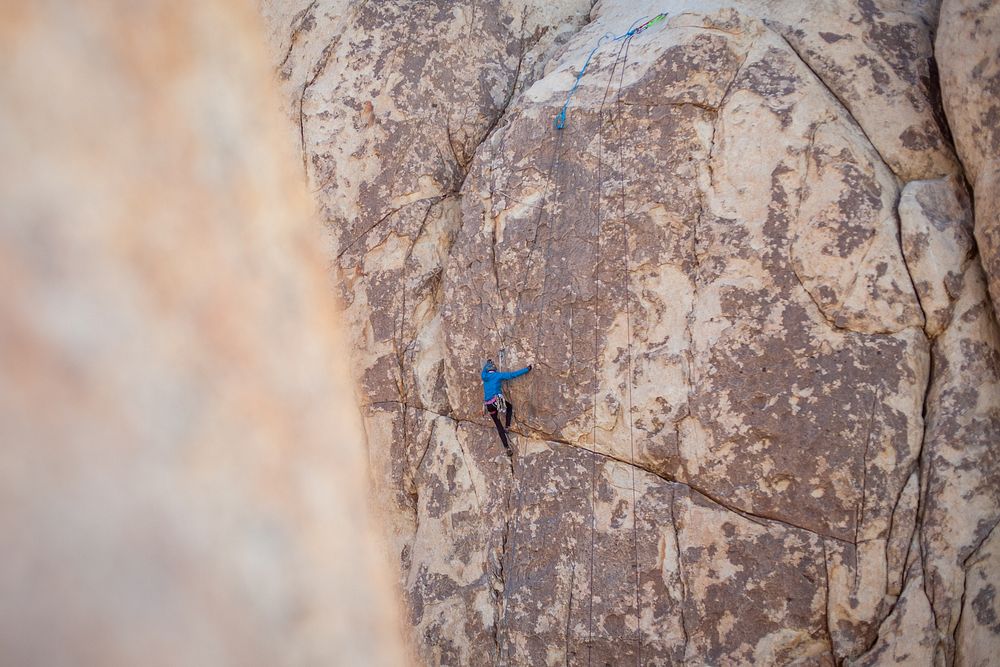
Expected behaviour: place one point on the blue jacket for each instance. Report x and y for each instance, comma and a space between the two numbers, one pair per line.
493, 379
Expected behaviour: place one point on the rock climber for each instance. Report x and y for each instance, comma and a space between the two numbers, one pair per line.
494, 400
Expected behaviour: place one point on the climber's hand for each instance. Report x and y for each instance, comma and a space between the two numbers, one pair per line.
530, 366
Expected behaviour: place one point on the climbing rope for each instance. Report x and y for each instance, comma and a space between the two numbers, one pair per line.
515, 532
628, 339
633, 30
552, 183
597, 316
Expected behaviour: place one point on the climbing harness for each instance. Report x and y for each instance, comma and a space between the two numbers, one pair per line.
499, 401
631, 32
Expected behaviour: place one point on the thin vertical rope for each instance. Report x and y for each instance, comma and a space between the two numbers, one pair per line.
529, 263
628, 336
535, 349
550, 183
597, 380
508, 573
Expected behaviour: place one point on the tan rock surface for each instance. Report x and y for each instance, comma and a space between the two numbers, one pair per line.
968, 48
181, 470
738, 270
936, 227
961, 468
978, 632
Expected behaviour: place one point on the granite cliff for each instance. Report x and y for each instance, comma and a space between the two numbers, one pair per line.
764, 419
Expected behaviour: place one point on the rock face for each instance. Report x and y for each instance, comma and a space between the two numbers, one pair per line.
968, 46
181, 468
764, 415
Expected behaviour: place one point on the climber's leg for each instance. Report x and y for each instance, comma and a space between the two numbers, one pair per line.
492, 410
510, 413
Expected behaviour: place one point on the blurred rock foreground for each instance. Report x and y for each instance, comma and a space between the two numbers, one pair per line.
181, 468
753, 273
764, 421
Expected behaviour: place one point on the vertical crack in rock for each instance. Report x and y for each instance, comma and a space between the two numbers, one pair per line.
498, 330
924, 471
299, 22
318, 69
551, 182
961, 615
860, 511
909, 272
472, 482
829, 600
569, 607
681, 573
800, 195
403, 345
502, 112
506, 545
688, 370
909, 538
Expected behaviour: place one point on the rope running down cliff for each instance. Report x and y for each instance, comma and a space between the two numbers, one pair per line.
597, 380
628, 339
553, 183
623, 59
550, 183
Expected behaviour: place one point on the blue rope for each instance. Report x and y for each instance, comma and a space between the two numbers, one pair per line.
560, 121
561, 118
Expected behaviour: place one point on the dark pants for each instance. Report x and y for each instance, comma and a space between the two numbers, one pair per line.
494, 414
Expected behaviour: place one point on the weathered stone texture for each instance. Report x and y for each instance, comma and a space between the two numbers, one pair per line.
936, 228
968, 50
746, 277
961, 467
181, 468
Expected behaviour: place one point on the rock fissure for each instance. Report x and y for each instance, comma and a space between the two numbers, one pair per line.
569, 608
924, 471
892, 525
828, 601
681, 575
860, 514
961, 616
429, 201
748, 515
319, 68
909, 274
298, 24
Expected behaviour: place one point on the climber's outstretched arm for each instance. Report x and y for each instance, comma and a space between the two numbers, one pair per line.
510, 375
